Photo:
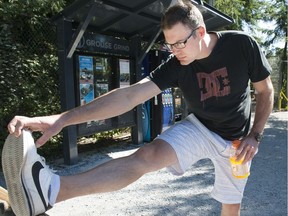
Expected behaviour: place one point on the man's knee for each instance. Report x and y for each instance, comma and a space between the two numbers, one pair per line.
155, 156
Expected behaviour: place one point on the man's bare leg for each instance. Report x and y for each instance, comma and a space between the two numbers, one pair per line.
118, 173
230, 210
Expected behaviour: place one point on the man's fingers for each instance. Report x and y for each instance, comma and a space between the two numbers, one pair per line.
15, 128
18, 128
47, 134
16, 125
249, 154
12, 125
42, 140
11, 128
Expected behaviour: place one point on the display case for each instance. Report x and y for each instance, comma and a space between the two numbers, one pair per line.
97, 75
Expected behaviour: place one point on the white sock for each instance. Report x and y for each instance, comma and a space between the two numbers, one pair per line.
54, 189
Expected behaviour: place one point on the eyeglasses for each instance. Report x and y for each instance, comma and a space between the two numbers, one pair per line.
179, 44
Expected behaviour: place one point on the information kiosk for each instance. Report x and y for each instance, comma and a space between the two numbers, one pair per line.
101, 46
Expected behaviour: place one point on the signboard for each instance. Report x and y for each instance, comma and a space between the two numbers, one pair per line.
86, 78
103, 44
94, 76
124, 69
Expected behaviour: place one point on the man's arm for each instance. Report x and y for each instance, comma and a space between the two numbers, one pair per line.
111, 104
264, 106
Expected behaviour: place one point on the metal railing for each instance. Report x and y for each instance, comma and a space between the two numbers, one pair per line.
282, 97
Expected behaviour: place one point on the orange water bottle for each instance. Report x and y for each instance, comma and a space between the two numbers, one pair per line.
239, 170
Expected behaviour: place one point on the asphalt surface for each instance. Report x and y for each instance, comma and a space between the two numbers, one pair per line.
161, 193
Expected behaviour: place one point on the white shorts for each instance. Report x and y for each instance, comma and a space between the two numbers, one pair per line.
192, 141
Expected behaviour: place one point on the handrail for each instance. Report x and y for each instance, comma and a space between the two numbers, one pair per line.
281, 97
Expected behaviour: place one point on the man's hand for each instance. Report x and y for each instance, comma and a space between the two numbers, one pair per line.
48, 125
248, 148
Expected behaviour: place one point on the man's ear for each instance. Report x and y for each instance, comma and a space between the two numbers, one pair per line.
201, 32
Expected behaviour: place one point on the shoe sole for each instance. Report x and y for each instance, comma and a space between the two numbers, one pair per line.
13, 157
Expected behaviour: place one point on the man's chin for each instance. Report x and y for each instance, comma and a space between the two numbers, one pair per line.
184, 62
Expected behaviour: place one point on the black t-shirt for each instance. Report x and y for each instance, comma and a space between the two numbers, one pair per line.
216, 88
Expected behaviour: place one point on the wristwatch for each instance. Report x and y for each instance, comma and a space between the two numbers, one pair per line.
258, 137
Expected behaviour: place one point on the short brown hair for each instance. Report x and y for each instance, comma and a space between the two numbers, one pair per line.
182, 12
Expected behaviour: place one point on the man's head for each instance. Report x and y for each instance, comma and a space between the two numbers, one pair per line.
182, 12
184, 31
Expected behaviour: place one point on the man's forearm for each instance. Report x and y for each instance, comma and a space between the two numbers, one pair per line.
264, 106
103, 107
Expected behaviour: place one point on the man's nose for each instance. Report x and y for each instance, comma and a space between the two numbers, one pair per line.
175, 50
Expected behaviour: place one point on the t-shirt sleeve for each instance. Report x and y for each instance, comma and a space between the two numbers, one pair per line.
166, 74
259, 67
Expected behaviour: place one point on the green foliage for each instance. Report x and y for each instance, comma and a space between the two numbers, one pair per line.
28, 63
233, 9
245, 13
277, 12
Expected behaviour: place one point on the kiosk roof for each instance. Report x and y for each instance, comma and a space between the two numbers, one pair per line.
130, 18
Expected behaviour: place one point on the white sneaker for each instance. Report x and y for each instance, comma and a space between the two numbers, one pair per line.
27, 176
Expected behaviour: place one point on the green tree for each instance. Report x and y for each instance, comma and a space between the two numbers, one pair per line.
245, 13
277, 12
28, 62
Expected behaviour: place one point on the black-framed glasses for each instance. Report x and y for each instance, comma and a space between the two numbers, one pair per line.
180, 44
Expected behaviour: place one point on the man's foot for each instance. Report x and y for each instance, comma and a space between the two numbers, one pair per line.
26, 175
